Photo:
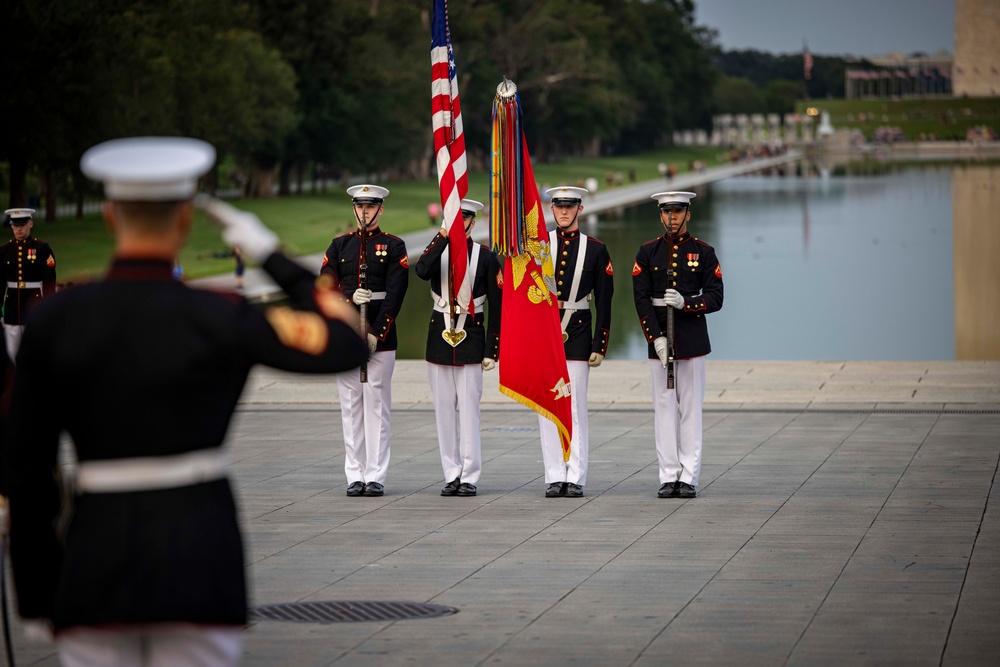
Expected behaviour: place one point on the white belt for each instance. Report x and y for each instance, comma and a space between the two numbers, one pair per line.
659, 302
152, 472
441, 304
576, 305
24, 285
378, 296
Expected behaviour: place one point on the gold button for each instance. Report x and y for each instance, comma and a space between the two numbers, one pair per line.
674, 264
675, 254
560, 282
561, 272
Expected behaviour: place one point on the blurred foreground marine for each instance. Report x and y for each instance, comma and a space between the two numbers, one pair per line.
682, 274
460, 346
29, 269
150, 570
372, 269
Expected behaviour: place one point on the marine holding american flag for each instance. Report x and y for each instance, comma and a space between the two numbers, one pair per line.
682, 274
372, 269
461, 343
583, 275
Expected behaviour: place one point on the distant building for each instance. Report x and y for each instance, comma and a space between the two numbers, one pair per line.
977, 48
899, 75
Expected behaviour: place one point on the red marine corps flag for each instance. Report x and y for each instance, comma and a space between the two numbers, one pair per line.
449, 147
532, 358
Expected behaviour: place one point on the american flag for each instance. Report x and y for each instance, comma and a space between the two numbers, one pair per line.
807, 62
449, 147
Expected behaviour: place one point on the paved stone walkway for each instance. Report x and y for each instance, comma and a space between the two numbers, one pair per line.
847, 514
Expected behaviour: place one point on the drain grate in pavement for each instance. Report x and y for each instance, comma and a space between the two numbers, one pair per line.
349, 611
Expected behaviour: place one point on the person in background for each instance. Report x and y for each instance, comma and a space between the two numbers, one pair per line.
583, 274
365, 406
695, 291
29, 269
150, 570
460, 346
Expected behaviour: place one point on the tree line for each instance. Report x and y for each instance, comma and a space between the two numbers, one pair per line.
317, 89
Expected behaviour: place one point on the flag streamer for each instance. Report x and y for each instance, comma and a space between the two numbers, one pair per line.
507, 182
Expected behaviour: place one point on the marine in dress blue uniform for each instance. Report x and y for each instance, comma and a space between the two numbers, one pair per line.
29, 270
151, 568
365, 406
695, 291
460, 346
584, 276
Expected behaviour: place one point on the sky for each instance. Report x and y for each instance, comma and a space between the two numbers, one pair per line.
831, 27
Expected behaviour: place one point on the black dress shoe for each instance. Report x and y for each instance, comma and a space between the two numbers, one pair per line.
685, 490
451, 488
355, 489
467, 489
556, 490
373, 489
667, 490
574, 490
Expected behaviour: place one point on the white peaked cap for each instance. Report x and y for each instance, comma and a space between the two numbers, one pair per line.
676, 198
148, 168
15, 213
472, 205
567, 192
367, 193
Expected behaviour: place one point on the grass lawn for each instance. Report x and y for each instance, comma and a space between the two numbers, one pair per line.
306, 223
944, 118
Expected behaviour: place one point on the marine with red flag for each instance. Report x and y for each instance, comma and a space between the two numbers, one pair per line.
532, 358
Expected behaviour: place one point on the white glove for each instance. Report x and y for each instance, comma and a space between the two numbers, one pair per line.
674, 298
240, 228
489, 364
595, 359
372, 344
37, 630
361, 296
660, 345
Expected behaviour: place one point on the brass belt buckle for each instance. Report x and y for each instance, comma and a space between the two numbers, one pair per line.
20, 284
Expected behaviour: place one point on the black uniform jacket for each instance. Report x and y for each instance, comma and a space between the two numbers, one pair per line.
597, 277
388, 271
156, 373
27, 261
480, 341
698, 277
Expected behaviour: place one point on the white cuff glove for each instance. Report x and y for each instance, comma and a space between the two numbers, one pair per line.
361, 296
660, 345
595, 359
240, 228
37, 630
372, 344
674, 298
489, 364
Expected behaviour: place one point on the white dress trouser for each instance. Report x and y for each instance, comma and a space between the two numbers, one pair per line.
677, 419
574, 470
364, 412
457, 392
173, 645
12, 336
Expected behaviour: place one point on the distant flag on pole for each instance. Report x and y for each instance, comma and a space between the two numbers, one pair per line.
449, 148
807, 61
